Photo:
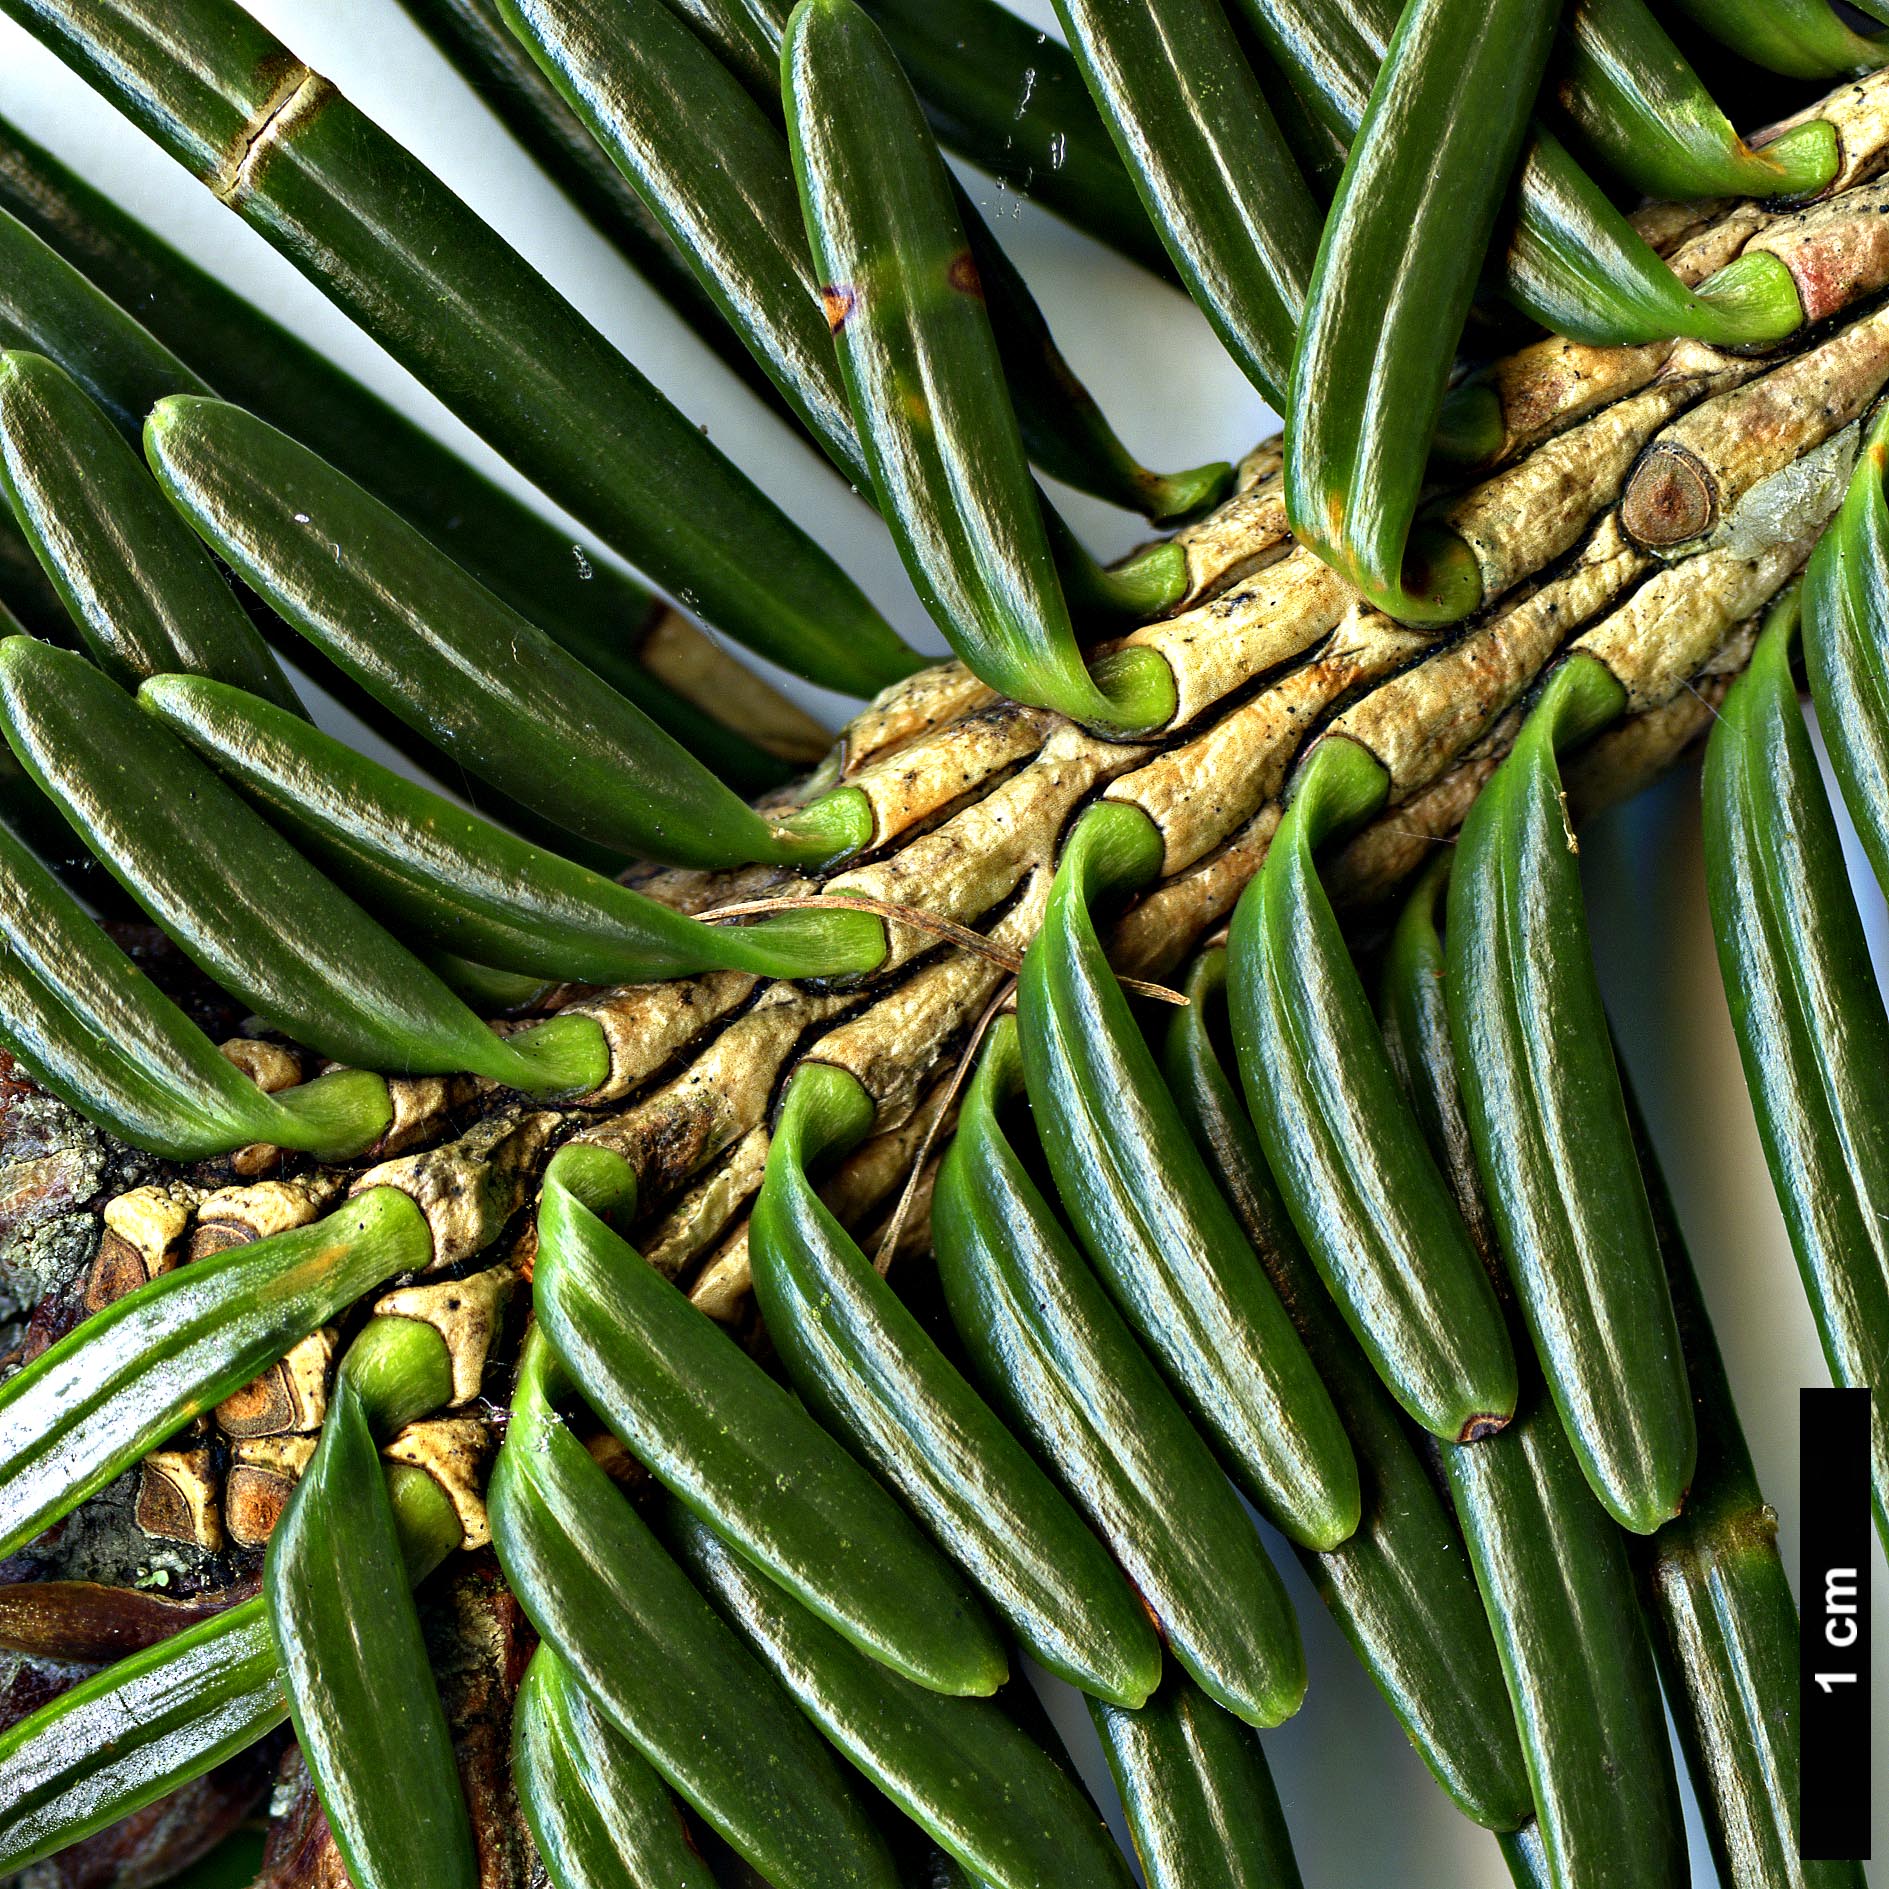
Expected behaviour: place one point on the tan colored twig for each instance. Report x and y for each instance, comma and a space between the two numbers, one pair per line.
1005, 999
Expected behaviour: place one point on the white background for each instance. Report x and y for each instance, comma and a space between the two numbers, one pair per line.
1362, 1809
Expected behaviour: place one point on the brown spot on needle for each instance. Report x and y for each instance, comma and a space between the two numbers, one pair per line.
838, 299
962, 275
293, 101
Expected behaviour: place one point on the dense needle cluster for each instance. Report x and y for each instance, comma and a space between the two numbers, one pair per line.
622, 1313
